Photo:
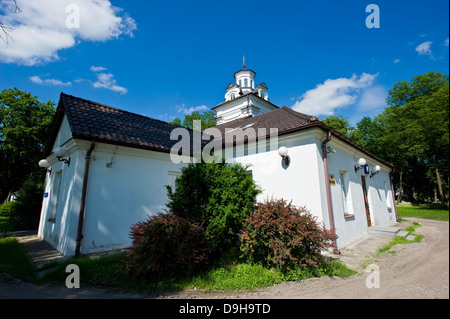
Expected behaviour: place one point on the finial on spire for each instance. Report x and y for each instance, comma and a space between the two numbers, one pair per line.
243, 62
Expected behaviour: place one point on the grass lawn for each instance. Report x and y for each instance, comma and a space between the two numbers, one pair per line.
426, 212
107, 271
14, 260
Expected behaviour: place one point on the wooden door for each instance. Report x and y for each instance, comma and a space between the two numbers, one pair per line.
366, 201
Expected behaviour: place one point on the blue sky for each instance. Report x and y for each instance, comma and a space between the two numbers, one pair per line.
165, 58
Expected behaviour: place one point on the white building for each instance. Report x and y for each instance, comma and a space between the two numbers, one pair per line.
120, 163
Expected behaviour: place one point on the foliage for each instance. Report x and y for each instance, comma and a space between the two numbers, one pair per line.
24, 127
340, 124
412, 133
9, 208
166, 244
107, 271
27, 209
416, 134
219, 196
282, 235
14, 259
207, 120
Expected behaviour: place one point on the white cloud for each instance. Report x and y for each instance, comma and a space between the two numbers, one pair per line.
107, 81
332, 94
446, 42
44, 27
396, 61
36, 79
183, 109
97, 68
424, 48
373, 97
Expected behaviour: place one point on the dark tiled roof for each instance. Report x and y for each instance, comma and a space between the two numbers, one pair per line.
287, 121
94, 121
284, 119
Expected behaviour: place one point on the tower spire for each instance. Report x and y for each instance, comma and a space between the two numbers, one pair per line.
243, 61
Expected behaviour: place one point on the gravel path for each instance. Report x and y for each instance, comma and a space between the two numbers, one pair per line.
417, 270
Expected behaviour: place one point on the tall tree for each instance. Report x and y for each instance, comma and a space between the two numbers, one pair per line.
340, 124
24, 127
416, 130
207, 120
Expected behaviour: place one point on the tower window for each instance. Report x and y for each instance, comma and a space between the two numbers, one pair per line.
240, 84
245, 83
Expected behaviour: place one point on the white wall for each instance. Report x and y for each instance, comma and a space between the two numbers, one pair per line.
118, 196
299, 180
354, 228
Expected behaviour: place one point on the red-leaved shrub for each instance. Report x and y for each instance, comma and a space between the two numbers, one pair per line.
166, 244
282, 235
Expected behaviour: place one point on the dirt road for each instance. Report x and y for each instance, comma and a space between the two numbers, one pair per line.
418, 270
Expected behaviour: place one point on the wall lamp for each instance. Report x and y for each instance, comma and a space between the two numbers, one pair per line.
375, 170
283, 151
331, 150
361, 163
45, 164
59, 153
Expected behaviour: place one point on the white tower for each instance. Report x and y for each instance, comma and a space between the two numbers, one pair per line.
243, 98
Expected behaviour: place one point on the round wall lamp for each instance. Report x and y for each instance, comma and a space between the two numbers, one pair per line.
59, 153
361, 163
283, 152
45, 164
375, 170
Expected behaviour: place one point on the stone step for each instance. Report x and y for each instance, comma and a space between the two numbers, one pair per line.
402, 233
383, 231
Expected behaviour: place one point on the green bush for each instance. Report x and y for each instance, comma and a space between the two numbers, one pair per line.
282, 235
9, 208
166, 244
219, 196
27, 209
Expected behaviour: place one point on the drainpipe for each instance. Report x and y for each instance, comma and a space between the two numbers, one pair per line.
83, 199
327, 185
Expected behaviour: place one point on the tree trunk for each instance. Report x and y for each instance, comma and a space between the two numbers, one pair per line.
439, 181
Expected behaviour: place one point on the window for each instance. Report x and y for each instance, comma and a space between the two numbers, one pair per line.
55, 197
345, 193
251, 83
173, 179
240, 83
245, 83
387, 191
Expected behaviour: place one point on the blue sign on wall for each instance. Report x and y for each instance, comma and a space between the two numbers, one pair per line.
45, 195
366, 169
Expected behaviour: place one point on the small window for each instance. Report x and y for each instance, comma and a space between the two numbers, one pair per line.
388, 198
345, 192
240, 83
55, 196
245, 83
173, 179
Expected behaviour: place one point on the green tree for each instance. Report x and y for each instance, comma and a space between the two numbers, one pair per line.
340, 124
24, 127
207, 120
415, 135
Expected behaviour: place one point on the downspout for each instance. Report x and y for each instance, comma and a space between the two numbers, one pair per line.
393, 197
83, 199
327, 186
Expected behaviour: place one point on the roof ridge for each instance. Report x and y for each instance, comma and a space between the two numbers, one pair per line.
298, 114
117, 109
